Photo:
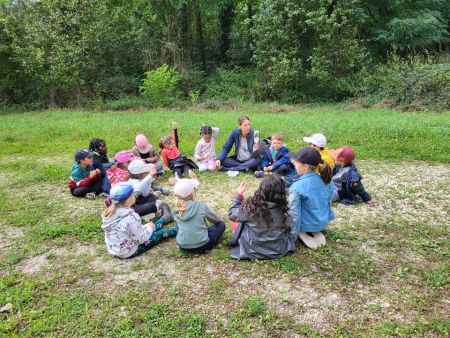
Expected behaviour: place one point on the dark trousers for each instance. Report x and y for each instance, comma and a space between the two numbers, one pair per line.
181, 169
145, 205
95, 186
215, 231
232, 163
282, 170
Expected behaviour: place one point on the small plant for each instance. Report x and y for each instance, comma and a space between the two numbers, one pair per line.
253, 307
160, 85
194, 95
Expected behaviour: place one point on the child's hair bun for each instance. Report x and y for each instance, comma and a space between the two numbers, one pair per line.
205, 130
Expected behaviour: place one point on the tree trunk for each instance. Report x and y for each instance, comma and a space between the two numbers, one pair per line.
226, 15
199, 29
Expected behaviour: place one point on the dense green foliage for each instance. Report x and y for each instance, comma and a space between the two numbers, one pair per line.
71, 53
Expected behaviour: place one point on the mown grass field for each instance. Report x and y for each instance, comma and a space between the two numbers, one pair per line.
384, 271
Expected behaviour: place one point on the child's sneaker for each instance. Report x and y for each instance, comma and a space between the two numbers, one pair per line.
166, 213
165, 191
91, 195
309, 241
259, 174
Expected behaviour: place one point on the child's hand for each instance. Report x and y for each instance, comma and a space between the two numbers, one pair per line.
373, 202
218, 163
174, 125
172, 180
153, 172
256, 147
94, 173
269, 168
242, 188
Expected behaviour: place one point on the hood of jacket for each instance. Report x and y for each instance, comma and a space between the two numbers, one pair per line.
192, 208
110, 221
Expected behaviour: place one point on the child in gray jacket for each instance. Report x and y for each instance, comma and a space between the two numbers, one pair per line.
191, 215
264, 223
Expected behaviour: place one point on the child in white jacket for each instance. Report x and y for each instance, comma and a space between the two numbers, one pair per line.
125, 236
205, 152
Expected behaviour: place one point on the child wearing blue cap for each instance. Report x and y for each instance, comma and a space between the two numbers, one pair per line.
84, 179
125, 236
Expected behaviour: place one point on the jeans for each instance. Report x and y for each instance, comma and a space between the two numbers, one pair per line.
215, 231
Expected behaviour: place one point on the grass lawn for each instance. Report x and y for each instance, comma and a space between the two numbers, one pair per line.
384, 272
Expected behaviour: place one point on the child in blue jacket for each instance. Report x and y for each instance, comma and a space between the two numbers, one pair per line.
310, 197
347, 180
276, 159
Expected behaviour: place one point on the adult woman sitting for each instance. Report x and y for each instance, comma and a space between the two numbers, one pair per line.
246, 150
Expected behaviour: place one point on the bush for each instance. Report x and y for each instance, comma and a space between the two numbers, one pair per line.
237, 84
415, 83
160, 85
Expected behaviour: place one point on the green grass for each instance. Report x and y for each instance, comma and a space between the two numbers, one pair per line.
380, 134
383, 272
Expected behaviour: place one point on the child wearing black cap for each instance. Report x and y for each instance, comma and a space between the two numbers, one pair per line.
310, 197
84, 179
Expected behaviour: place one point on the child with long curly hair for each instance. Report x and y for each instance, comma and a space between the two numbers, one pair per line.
264, 222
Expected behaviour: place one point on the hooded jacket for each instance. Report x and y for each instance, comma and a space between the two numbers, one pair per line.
349, 185
282, 158
192, 226
259, 240
124, 232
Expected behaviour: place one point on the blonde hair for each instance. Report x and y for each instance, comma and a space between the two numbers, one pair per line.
111, 210
180, 202
277, 136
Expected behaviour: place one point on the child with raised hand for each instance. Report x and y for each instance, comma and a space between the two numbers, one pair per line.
191, 216
310, 197
276, 159
347, 180
264, 230
172, 157
205, 152
84, 179
144, 150
141, 177
125, 236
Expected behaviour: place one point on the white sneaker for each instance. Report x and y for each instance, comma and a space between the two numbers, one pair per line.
91, 195
320, 238
309, 241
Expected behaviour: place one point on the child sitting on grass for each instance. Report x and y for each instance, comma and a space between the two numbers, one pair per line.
119, 172
276, 159
125, 236
347, 180
205, 152
144, 150
172, 157
98, 147
84, 179
310, 197
264, 223
190, 215
319, 142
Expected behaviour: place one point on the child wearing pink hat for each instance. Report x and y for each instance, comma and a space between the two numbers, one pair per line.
144, 150
119, 173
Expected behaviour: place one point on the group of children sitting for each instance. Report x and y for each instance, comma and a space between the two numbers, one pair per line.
292, 201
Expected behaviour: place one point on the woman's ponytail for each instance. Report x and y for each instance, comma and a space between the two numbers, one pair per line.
325, 171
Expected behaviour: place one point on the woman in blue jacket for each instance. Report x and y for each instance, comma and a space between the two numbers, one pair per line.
246, 155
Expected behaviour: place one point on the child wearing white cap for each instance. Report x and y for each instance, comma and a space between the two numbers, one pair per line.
191, 215
125, 236
319, 142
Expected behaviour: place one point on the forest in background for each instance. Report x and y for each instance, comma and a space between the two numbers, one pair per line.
120, 54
